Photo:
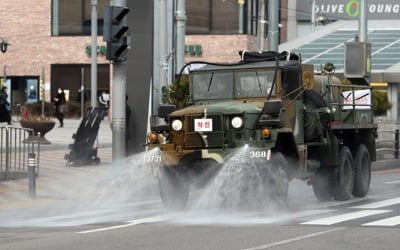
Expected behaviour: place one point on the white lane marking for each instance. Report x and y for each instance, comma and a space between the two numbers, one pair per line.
388, 222
344, 217
379, 204
332, 204
392, 182
291, 216
130, 223
283, 242
153, 219
243, 218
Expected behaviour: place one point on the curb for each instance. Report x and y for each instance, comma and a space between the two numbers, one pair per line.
386, 164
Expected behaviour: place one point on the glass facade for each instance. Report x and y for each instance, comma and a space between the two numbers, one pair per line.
221, 16
73, 17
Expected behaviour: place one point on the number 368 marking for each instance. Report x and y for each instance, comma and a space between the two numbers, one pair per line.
260, 154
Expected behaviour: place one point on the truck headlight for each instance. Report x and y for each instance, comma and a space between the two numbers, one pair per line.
177, 125
237, 122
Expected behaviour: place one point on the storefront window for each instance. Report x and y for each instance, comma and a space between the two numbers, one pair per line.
72, 77
22, 89
221, 16
73, 17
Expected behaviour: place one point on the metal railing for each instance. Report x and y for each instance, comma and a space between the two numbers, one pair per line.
350, 102
388, 144
14, 150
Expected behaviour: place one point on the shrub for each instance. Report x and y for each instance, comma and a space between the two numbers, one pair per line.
74, 109
380, 102
169, 94
35, 109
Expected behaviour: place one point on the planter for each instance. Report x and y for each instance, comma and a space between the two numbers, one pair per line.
41, 127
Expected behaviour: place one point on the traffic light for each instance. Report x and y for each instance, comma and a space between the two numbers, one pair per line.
115, 33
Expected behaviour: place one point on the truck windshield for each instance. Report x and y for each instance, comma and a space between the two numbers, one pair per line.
212, 85
254, 84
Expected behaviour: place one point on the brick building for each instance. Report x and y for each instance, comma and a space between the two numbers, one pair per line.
50, 42
50, 48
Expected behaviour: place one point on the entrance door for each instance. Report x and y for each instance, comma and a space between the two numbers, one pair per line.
32, 91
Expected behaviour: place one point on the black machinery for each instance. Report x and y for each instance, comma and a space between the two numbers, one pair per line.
83, 151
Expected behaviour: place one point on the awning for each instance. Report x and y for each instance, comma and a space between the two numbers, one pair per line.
328, 46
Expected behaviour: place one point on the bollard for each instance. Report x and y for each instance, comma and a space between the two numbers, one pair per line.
7, 153
32, 174
396, 144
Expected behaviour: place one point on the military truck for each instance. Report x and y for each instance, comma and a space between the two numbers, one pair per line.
299, 124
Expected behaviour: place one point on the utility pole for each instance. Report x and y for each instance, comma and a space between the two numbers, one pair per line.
163, 52
261, 25
313, 16
119, 104
180, 34
42, 89
241, 12
273, 25
93, 71
363, 23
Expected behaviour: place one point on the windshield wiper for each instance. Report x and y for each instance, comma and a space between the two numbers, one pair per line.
259, 83
209, 84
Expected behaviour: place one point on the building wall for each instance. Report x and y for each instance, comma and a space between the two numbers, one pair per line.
27, 26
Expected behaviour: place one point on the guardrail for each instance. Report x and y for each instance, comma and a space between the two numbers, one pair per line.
394, 143
14, 152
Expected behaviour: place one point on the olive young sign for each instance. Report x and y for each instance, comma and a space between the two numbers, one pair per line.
348, 9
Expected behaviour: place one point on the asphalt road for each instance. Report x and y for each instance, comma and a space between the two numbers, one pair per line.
141, 222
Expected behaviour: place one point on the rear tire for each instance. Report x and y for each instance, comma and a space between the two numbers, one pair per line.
344, 176
174, 190
362, 171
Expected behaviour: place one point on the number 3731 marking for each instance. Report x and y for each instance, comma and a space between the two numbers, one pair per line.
153, 158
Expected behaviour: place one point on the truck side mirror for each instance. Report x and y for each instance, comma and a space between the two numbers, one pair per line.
165, 109
272, 107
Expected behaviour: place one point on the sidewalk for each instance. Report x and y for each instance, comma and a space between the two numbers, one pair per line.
55, 178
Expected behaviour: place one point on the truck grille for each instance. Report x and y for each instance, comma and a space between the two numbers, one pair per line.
217, 122
197, 140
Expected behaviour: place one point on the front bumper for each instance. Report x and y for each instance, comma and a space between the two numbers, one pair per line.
173, 155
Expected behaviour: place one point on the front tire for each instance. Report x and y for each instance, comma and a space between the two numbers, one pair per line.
278, 178
344, 176
362, 171
174, 190
321, 184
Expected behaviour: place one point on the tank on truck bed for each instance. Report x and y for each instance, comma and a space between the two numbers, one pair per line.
296, 124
